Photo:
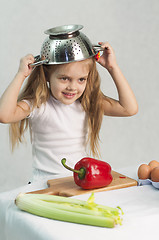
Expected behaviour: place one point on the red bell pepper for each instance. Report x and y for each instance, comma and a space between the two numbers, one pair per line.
90, 173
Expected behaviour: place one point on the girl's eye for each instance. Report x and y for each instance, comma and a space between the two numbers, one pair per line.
64, 78
82, 80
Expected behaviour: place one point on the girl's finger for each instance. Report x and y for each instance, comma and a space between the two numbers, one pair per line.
105, 45
29, 59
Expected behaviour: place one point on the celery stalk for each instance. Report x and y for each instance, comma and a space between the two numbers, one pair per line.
67, 209
60, 199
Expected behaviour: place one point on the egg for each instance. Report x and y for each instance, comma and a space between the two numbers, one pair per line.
144, 171
153, 164
155, 174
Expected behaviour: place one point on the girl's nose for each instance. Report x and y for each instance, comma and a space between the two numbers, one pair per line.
71, 86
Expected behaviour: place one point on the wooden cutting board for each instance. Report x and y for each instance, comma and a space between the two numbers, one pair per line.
67, 188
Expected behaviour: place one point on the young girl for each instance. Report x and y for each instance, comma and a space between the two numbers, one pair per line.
63, 106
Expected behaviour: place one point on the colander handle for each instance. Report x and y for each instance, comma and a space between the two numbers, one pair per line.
38, 61
97, 48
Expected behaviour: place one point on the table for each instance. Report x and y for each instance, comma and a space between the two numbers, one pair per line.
140, 220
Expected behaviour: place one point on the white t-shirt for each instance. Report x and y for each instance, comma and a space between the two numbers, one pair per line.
57, 131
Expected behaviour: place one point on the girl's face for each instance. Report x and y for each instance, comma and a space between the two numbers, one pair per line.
68, 81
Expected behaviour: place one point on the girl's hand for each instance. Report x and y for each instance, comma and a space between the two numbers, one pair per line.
108, 59
24, 68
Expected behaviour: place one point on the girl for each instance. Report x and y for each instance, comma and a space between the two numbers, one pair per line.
63, 106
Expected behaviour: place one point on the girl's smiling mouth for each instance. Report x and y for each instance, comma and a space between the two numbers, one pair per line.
68, 95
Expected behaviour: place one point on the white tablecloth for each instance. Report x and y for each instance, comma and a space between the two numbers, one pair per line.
140, 220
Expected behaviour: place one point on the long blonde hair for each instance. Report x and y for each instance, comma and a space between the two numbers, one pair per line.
37, 91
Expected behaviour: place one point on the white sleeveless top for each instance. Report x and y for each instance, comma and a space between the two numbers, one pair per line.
57, 131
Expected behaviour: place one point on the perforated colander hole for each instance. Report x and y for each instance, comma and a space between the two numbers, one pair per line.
58, 43
46, 48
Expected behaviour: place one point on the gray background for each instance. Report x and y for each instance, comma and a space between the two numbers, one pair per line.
132, 28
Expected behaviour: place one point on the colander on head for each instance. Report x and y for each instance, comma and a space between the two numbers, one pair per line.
65, 44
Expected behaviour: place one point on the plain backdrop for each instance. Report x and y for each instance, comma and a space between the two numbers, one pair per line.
132, 28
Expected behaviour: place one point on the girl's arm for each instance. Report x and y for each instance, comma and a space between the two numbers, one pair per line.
127, 104
10, 109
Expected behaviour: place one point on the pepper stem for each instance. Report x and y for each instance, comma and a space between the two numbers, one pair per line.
63, 161
81, 172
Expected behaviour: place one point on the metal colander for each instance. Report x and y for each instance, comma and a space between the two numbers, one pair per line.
65, 44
